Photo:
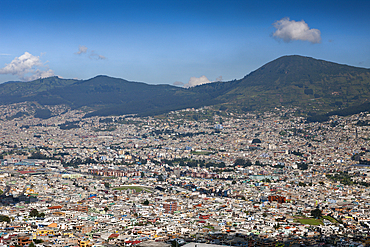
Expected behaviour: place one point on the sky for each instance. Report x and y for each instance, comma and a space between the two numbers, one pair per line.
180, 42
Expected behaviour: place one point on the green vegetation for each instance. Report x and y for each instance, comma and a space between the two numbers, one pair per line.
309, 221
343, 178
35, 213
4, 218
315, 86
146, 202
69, 125
316, 213
42, 113
18, 115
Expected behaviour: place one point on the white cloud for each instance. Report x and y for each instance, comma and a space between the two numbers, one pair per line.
26, 67
289, 30
95, 56
218, 79
81, 49
92, 55
194, 81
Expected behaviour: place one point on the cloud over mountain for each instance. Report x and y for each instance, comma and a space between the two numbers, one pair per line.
27, 67
195, 81
289, 30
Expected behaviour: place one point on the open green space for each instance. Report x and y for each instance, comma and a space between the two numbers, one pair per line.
309, 221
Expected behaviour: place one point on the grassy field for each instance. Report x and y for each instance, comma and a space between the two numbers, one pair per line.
309, 221
137, 188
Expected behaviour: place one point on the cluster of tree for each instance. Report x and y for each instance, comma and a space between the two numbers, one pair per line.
69, 125
18, 115
75, 162
106, 185
106, 120
35, 213
246, 162
302, 184
39, 156
342, 177
193, 163
302, 166
365, 107
297, 153
146, 202
316, 213
4, 218
42, 113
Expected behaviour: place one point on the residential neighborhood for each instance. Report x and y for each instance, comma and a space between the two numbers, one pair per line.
193, 177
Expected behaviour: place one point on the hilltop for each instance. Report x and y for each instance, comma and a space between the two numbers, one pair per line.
314, 86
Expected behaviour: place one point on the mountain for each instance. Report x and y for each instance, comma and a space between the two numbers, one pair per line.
107, 95
315, 86
311, 84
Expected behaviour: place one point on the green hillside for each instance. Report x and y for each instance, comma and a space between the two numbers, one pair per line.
315, 86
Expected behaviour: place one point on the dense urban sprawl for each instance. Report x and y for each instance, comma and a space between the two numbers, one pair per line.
194, 177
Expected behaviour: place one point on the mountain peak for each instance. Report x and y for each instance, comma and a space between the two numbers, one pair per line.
293, 80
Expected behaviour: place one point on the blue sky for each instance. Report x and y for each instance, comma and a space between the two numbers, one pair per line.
162, 42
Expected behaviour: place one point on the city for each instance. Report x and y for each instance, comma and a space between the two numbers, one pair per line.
190, 176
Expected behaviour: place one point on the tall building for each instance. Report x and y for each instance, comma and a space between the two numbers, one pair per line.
170, 206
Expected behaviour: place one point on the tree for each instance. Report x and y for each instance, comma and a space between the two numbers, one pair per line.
31, 244
239, 162
34, 213
175, 244
107, 185
4, 218
301, 184
317, 213
106, 209
160, 178
146, 202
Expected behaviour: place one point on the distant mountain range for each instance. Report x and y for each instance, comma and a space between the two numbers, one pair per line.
314, 86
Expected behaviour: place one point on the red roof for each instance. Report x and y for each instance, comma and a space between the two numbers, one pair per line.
55, 207
114, 235
133, 242
26, 172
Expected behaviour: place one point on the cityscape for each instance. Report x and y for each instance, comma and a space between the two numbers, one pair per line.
254, 179
186, 123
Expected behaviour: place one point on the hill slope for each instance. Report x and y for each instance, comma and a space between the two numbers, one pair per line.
312, 85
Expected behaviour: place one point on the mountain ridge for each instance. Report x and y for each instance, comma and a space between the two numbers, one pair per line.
312, 85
